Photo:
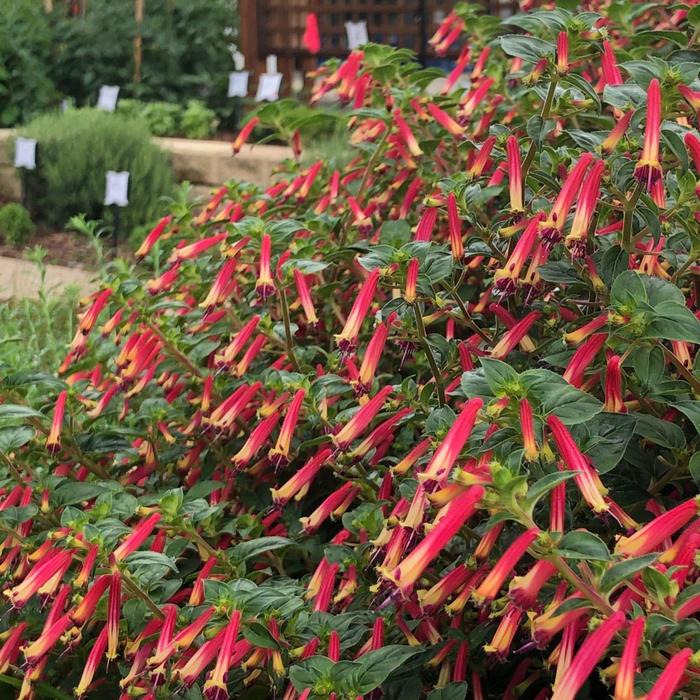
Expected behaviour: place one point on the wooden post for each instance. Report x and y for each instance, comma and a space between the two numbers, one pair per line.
48, 5
139, 6
248, 33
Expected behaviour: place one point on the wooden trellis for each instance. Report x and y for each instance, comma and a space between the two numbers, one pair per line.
277, 26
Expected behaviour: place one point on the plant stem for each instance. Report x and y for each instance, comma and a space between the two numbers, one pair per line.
467, 318
140, 593
429, 354
289, 341
630, 204
546, 107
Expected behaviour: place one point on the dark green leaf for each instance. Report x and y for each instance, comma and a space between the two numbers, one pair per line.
581, 544
625, 570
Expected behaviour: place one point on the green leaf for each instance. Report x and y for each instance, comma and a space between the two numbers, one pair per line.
672, 321
544, 485
694, 468
376, 666
14, 438
581, 544
605, 438
615, 261
583, 86
499, 376
260, 636
529, 48
625, 570
690, 409
72, 492
254, 548
307, 673
451, 691
660, 431
13, 411
556, 396
395, 233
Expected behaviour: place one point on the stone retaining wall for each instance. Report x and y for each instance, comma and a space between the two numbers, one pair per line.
205, 164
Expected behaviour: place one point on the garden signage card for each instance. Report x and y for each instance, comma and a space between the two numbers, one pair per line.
238, 83
357, 34
117, 188
107, 99
25, 153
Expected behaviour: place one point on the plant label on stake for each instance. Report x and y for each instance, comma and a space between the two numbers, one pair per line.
238, 83
25, 153
269, 82
117, 196
107, 99
357, 34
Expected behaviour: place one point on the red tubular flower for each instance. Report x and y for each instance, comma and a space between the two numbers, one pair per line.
505, 632
232, 350
482, 158
371, 358
655, 532
359, 422
53, 441
255, 442
506, 278
527, 426
305, 297
197, 594
215, 687
406, 134
614, 401
515, 175
445, 456
37, 650
553, 225
523, 590
188, 672
480, 63
85, 609
513, 336
311, 39
455, 514
52, 565
10, 649
455, 228
617, 132
243, 134
562, 52
590, 652
648, 169
412, 457
587, 478
220, 289
426, 225
152, 238
454, 75
611, 73
431, 599
90, 317
445, 120
137, 537
334, 504
578, 237
671, 677
265, 285
92, 663
580, 334
582, 358
488, 589
347, 338
194, 250
475, 98
279, 454
627, 671
298, 485
114, 605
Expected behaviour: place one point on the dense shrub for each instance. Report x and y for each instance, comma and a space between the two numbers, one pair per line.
77, 148
15, 224
25, 61
424, 428
198, 121
186, 51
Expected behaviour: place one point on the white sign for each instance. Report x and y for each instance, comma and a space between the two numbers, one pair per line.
25, 153
357, 34
271, 64
117, 188
238, 83
269, 87
107, 99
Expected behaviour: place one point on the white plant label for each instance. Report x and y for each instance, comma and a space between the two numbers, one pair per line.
25, 153
269, 87
107, 99
357, 34
238, 83
117, 188
271, 64
238, 60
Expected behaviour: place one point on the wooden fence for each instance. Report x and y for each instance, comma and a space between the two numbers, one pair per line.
277, 26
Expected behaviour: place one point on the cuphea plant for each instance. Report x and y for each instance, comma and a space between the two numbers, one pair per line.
380, 432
